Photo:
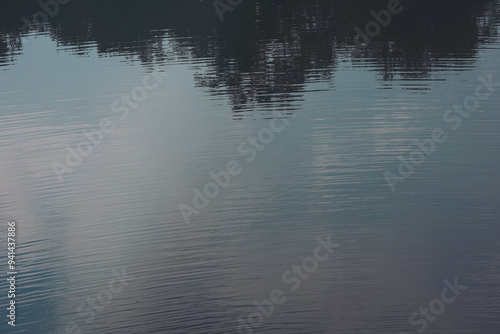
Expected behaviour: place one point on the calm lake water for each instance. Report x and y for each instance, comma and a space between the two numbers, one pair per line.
319, 132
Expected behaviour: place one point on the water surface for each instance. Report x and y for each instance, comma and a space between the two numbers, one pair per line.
351, 111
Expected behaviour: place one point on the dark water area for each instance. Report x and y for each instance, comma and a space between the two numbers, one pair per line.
249, 166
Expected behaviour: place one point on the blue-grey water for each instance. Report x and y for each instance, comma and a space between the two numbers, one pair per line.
347, 115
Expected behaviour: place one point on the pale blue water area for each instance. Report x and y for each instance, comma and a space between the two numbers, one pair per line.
348, 113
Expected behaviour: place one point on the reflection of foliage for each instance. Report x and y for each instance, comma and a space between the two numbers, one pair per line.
266, 49
10, 46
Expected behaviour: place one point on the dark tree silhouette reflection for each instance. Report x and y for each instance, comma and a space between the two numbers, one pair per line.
265, 50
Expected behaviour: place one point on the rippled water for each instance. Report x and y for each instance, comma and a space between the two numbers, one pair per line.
346, 114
